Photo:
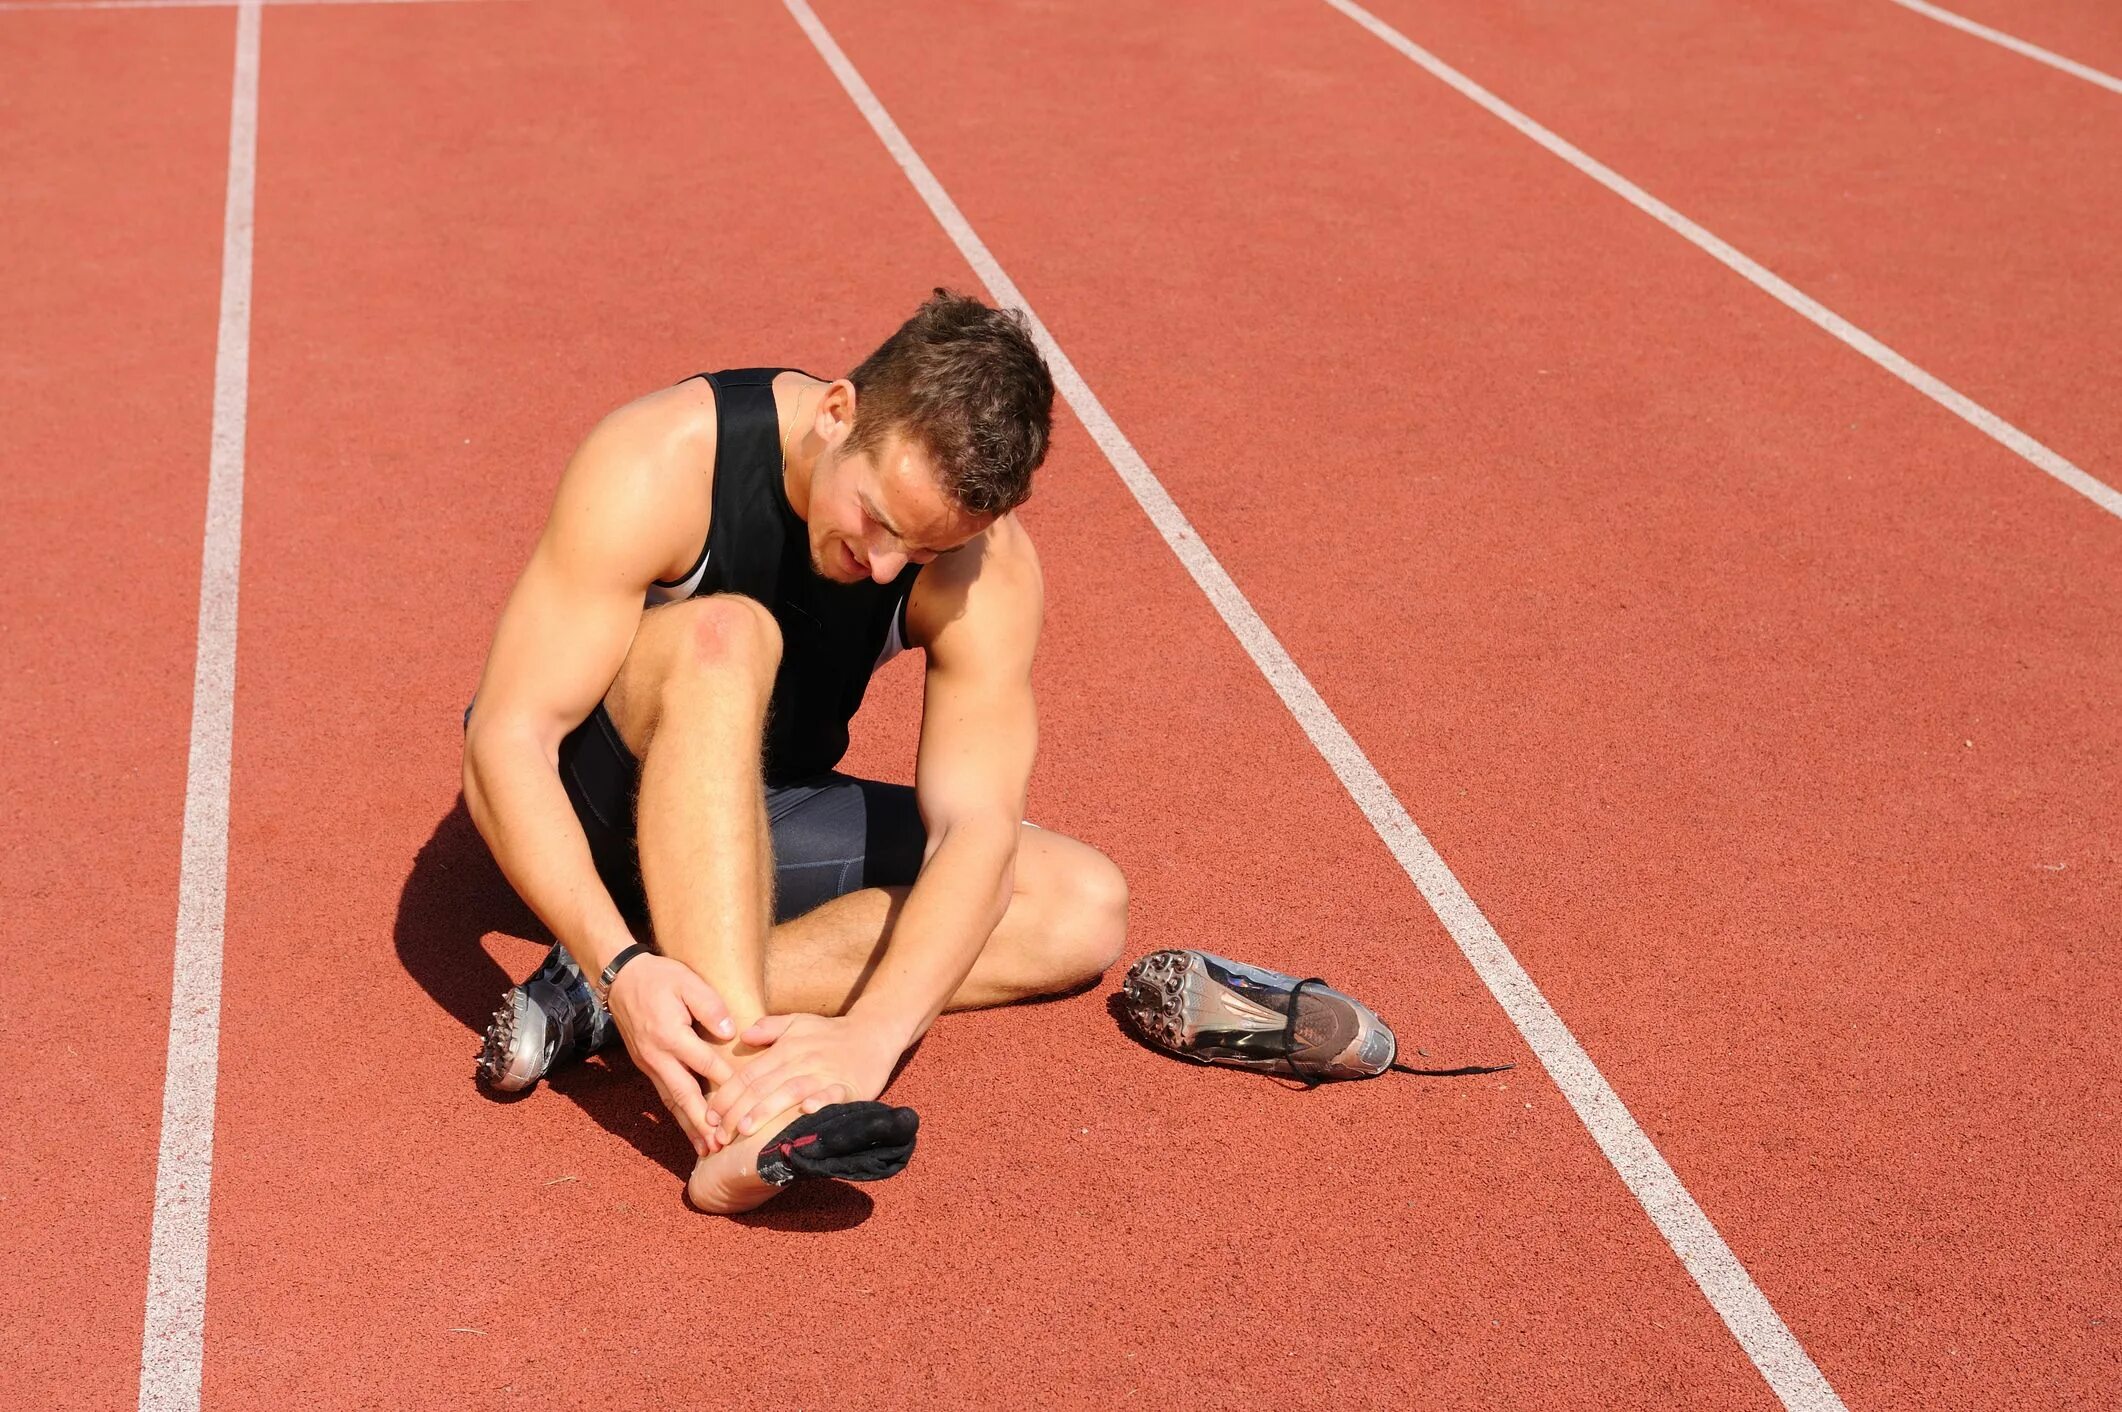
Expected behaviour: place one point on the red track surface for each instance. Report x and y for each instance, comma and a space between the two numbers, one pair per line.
2089, 31
1753, 696
110, 125
1942, 193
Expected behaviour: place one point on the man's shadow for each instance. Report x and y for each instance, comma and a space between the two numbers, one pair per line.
454, 897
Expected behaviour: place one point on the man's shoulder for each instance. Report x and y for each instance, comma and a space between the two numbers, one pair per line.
644, 476
992, 584
660, 431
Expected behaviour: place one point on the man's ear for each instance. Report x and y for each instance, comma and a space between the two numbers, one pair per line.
836, 412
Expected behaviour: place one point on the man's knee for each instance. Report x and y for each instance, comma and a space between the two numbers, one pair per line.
694, 652
722, 642
1089, 919
723, 633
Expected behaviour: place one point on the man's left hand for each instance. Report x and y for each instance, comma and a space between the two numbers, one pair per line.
809, 1061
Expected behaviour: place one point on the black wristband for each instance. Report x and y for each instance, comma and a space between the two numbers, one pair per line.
611, 973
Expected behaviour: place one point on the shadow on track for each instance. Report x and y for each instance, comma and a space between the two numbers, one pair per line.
812, 1207
455, 897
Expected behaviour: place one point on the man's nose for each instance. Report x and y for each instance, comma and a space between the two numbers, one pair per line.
883, 568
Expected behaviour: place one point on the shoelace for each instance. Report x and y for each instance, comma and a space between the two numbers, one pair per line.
1289, 1047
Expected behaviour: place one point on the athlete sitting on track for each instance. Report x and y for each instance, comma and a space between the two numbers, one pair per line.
726, 563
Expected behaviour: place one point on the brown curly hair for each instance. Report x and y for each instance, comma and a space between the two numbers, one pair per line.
968, 384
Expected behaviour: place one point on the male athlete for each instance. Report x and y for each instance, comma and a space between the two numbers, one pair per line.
651, 752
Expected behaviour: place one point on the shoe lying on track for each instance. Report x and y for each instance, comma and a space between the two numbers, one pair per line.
548, 1020
1218, 1011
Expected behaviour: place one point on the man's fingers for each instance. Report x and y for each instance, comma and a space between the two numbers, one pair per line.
768, 1028
787, 1091
706, 1005
757, 1081
703, 1058
681, 1094
728, 1096
777, 1100
736, 1100
827, 1097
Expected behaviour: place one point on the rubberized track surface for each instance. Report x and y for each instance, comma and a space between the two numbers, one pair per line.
1765, 708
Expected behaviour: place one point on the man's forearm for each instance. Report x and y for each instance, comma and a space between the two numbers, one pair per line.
956, 903
521, 809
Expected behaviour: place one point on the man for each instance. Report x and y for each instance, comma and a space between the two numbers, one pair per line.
651, 749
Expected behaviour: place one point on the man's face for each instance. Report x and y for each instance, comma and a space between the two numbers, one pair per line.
874, 512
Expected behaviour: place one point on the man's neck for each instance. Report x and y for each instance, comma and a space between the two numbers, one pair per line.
800, 450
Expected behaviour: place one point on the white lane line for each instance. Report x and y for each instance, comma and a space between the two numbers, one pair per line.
19, 8
1960, 405
171, 1343
1745, 1310
2016, 45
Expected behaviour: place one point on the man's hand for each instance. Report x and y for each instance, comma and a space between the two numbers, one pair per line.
656, 1002
812, 1060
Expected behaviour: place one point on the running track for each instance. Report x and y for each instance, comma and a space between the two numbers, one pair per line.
1763, 706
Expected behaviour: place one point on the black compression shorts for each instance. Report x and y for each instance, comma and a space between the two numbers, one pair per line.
832, 833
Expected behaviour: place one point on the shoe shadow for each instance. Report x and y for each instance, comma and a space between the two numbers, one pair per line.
454, 897
1116, 1006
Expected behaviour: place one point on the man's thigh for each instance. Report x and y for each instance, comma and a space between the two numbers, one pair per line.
835, 834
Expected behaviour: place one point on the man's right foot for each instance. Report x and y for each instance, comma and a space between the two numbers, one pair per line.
548, 1020
854, 1142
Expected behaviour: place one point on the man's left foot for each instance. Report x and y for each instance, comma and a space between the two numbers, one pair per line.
549, 1019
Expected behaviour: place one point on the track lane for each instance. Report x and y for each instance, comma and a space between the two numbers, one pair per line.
114, 138
1946, 196
2087, 31
1754, 698
481, 240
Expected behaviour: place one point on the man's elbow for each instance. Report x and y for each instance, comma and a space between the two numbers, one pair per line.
990, 843
491, 743
474, 778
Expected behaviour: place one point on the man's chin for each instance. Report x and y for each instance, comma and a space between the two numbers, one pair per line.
825, 570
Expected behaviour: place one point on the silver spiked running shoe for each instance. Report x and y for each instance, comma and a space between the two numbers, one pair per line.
1220, 1011
548, 1020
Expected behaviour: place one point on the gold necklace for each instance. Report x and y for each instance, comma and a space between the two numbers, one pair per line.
788, 453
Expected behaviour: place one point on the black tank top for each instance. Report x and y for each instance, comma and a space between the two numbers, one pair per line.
833, 635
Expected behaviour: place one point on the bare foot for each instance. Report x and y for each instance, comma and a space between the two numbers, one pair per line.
729, 1182
856, 1142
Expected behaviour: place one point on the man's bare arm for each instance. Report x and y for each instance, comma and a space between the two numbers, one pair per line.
979, 733
562, 636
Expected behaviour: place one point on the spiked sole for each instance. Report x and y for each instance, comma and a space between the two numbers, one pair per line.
1156, 994
512, 1056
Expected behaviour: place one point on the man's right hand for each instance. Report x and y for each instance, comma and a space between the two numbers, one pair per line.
656, 1002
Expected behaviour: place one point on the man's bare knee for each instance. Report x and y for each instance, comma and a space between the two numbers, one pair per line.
728, 652
692, 652
727, 632
1087, 922
1101, 901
